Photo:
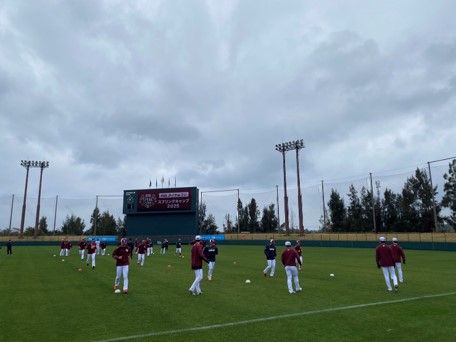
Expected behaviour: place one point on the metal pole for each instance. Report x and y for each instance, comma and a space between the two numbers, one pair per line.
11, 212
278, 207
285, 196
37, 219
239, 227
21, 233
55, 210
301, 224
434, 210
323, 203
95, 219
373, 203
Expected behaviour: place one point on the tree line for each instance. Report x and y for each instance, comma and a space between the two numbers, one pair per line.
410, 210
104, 223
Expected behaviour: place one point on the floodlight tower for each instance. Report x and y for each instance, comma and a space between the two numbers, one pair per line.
42, 165
283, 148
299, 144
27, 164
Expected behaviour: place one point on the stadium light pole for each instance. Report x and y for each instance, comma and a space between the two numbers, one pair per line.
299, 144
42, 165
434, 210
278, 207
283, 148
27, 164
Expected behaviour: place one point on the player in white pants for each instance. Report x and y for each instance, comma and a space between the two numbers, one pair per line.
289, 259
271, 252
122, 256
97, 243
384, 259
197, 265
91, 253
210, 252
398, 257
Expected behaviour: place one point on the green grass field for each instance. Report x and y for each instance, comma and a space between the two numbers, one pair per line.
45, 299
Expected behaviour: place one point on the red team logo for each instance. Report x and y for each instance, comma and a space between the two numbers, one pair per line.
147, 200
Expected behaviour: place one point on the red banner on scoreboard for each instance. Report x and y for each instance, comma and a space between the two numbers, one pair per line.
164, 199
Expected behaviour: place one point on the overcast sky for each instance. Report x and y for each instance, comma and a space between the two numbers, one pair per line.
117, 93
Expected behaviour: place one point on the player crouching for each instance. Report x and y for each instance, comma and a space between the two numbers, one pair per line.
122, 256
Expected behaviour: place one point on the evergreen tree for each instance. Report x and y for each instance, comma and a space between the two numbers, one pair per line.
107, 224
228, 226
269, 221
354, 211
337, 212
209, 226
201, 215
253, 213
73, 225
243, 216
449, 198
43, 226
94, 220
391, 211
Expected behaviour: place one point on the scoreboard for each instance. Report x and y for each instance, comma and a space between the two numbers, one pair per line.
167, 211
160, 200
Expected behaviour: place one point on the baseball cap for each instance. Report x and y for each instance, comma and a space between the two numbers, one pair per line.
288, 243
198, 237
395, 239
382, 239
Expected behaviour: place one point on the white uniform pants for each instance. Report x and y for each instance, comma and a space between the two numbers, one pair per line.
271, 267
179, 251
122, 271
62, 251
67, 252
389, 272
103, 251
163, 250
399, 271
292, 272
89, 256
195, 288
81, 253
141, 259
210, 269
98, 250
148, 251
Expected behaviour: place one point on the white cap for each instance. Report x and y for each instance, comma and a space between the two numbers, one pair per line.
395, 239
198, 237
288, 243
382, 239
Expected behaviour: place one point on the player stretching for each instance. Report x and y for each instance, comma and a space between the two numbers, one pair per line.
91, 253
82, 247
122, 255
398, 257
384, 259
210, 252
289, 259
299, 251
271, 252
197, 266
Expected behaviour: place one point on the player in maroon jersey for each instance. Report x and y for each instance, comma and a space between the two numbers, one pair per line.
289, 259
298, 250
62, 247
384, 259
142, 247
122, 256
197, 265
91, 253
398, 258
82, 247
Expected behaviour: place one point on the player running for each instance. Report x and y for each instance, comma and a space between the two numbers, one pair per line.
91, 253
179, 248
142, 247
82, 247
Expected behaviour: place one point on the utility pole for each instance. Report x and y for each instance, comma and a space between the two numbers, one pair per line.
11, 212
55, 210
373, 203
323, 203
41, 165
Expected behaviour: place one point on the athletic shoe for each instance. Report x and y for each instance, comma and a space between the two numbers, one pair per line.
291, 292
299, 290
125, 291
396, 287
264, 274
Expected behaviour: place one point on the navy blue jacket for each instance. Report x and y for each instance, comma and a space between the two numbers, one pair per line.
270, 251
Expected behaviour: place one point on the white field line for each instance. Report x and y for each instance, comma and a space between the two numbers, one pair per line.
272, 318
